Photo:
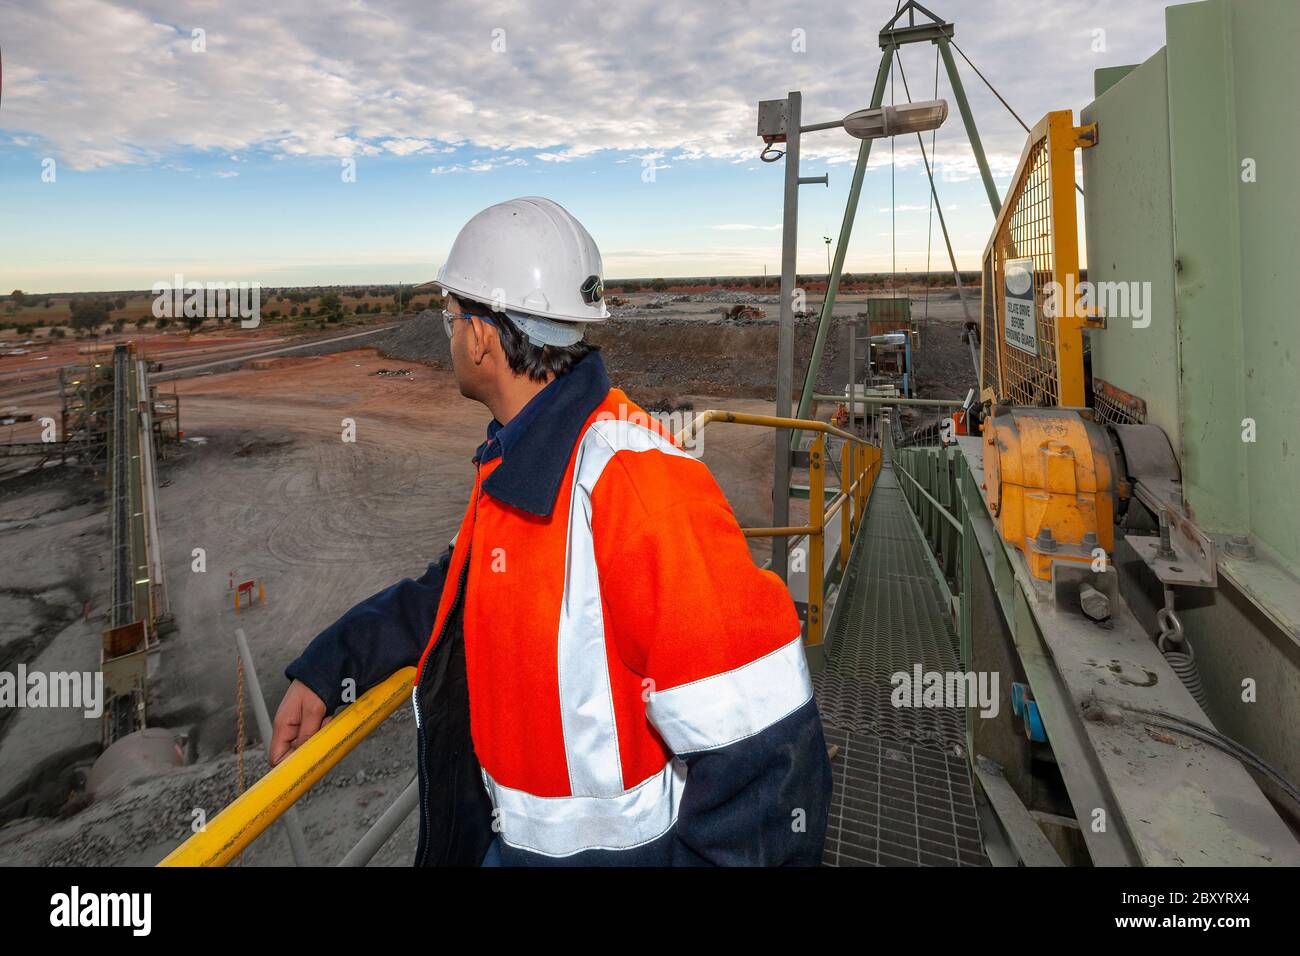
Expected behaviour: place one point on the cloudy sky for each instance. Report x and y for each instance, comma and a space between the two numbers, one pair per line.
216, 138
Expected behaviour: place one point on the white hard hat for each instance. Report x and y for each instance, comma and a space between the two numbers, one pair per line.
528, 257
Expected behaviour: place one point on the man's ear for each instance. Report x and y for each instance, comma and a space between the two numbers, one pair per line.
481, 336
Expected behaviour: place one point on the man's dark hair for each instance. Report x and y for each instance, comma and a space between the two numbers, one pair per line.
524, 357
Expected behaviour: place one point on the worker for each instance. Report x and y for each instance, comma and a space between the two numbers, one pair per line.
604, 674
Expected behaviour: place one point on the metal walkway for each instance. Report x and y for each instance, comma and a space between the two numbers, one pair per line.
903, 793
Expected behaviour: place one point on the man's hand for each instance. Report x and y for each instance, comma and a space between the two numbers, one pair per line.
300, 715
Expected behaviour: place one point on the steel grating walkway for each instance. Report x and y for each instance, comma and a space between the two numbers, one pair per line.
903, 793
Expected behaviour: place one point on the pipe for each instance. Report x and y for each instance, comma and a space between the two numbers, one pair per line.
292, 825
767, 421
882, 400
384, 827
785, 339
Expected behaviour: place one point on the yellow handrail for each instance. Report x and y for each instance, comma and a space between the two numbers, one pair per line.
235, 827
859, 465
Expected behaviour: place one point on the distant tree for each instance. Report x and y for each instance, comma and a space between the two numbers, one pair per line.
658, 285
293, 311
90, 313
119, 304
330, 301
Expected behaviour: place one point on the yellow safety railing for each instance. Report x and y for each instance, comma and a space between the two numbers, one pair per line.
1039, 359
234, 828
253, 812
859, 468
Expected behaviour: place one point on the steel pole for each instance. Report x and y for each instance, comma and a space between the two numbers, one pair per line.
292, 825
842, 245
853, 388
384, 827
973, 134
785, 341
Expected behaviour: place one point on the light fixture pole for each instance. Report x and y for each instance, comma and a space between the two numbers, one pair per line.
779, 121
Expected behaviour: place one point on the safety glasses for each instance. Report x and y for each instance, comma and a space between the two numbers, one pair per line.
449, 316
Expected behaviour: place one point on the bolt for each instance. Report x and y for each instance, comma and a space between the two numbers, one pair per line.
1166, 551
1046, 543
1239, 546
1094, 603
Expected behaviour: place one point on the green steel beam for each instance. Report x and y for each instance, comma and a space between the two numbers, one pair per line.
973, 134
842, 246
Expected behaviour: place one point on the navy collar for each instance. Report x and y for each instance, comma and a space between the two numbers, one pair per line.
535, 446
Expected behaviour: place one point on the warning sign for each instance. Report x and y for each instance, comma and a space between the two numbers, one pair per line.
1020, 327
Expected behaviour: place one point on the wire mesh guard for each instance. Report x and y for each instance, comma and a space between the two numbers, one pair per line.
1114, 406
1034, 362
902, 790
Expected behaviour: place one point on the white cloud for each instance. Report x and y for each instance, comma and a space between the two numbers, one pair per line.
107, 83
405, 147
478, 166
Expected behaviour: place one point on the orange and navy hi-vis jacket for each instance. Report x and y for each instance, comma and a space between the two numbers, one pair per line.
607, 676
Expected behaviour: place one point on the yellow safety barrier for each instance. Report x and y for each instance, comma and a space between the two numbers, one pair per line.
859, 467
1037, 359
235, 827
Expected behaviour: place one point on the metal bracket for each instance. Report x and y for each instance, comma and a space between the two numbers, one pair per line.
1188, 558
1183, 554
1085, 136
